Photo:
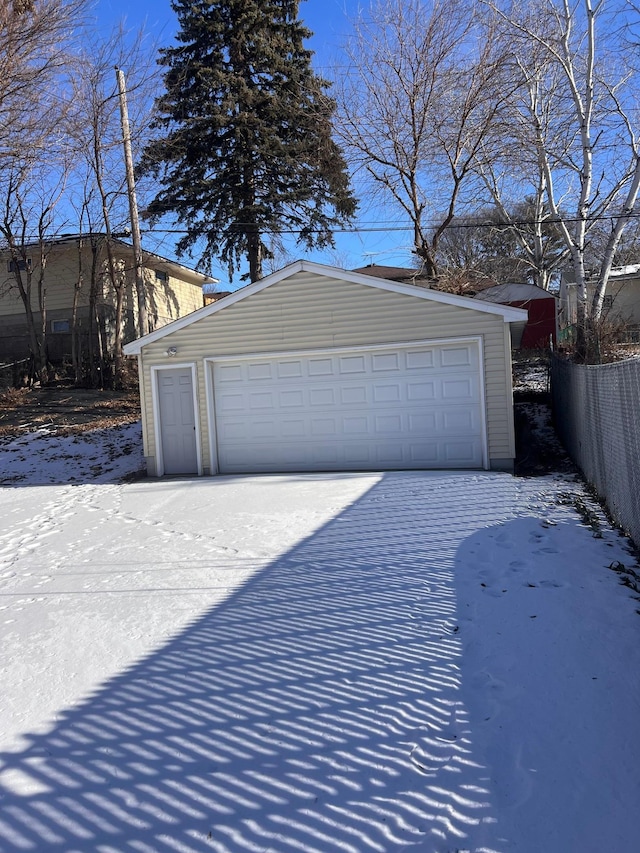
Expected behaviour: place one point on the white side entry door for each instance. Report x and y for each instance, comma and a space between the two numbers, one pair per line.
176, 411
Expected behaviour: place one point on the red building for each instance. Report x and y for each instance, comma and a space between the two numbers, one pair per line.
541, 305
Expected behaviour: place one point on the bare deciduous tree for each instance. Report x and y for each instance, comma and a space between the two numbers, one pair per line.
423, 90
500, 244
97, 133
30, 194
34, 49
577, 111
35, 37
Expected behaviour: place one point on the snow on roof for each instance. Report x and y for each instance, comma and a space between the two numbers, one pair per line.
569, 278
630, 269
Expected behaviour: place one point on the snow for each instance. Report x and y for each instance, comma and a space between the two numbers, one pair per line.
99, 455
630, 269
531, 375
434, 661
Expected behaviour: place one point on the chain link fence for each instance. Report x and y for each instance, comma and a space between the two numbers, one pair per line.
597, 417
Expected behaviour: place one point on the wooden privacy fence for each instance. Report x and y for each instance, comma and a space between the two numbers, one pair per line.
597, 415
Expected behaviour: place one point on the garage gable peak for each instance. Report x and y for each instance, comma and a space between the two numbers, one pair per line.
508, 314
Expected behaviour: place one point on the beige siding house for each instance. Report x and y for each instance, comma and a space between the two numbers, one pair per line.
71, 263
315, 368
621, 300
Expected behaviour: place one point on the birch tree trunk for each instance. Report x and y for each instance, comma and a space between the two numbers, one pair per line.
578, 108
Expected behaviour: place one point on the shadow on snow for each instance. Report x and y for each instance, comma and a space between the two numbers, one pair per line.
319, 708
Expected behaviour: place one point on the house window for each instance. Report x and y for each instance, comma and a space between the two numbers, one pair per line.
22, 264
58, 327
607, 302
162, 276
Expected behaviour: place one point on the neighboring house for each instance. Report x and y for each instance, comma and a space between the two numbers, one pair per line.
621, 299
315, 368
172, 291
402, 275
211, 295
541, 306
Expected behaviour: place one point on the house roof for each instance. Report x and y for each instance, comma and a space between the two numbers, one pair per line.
631, 270
150, 258
402, 274
516, 316
514, 292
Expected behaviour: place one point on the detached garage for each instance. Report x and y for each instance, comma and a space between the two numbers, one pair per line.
318, 369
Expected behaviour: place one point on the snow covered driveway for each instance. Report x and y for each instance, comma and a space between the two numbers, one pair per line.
431, 661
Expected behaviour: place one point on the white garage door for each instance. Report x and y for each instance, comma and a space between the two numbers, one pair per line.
403, 407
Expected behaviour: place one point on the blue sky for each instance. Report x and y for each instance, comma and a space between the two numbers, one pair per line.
329, 21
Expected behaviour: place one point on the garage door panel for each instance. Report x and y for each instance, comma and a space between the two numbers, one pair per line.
414, 407
356, 426
419, 359
261, 400
322, 396
259, 371
233, 430
293, 428
389, 456
460, 420
387, 424
229, 373
326, 455
424, 454
387, 393
293, 398
460, 450
290, 369
264, 429
457, 389
320, 367
422, 424
356, 456
324, 426
421, 391
227, 403
351, 364
390, 361
353, 395
456, 356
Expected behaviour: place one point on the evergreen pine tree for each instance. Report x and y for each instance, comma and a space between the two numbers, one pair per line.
245, 147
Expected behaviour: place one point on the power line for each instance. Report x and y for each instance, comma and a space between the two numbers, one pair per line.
376, 227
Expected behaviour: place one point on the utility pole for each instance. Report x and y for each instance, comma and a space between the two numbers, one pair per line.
143, 320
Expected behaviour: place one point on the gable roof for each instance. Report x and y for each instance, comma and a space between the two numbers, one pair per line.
514, 292
509, 314
401, 274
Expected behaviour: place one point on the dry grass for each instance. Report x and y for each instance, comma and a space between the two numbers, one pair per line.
65, 410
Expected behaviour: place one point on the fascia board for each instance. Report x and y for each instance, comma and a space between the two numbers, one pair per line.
152, 260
